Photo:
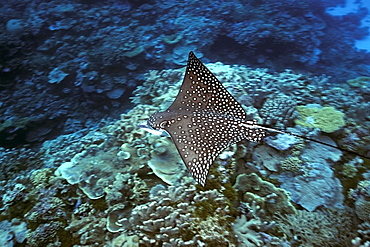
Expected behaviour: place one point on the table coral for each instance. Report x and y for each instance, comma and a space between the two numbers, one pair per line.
172, 38
316, 187
268, 157
319, 153
327, 119
281, 141
92, 169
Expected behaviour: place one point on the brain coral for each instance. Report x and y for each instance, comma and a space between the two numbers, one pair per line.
327, 119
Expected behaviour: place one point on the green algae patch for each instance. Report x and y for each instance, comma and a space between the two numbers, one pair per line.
205, 208
360, 82
327, 119
16, 122
133, 53
172, 38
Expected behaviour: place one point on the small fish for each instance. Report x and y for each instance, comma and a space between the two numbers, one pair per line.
204, 120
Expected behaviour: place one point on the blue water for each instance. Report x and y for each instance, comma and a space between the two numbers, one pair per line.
78, 76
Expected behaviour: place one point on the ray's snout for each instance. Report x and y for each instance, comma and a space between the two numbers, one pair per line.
148, 127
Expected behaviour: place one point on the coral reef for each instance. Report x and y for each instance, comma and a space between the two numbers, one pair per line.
108, 186
257, 88
78, 172
176, 216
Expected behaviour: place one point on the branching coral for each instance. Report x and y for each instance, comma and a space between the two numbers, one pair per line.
124, 240
361, 195
179, 216
293, 164
316, 228
278, 110
245, 233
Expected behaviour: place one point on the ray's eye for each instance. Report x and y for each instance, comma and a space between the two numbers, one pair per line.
163, 124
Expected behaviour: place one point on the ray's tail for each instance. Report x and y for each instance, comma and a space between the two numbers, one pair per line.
306, 138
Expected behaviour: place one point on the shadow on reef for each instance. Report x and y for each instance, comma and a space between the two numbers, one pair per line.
26, 132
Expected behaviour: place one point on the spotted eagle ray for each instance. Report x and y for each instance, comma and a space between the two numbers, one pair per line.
205, 119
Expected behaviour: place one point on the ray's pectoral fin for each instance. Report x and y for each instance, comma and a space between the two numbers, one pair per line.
197, 144
201, 136
204, 120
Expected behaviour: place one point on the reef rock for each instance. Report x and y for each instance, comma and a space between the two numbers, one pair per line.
317, 187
